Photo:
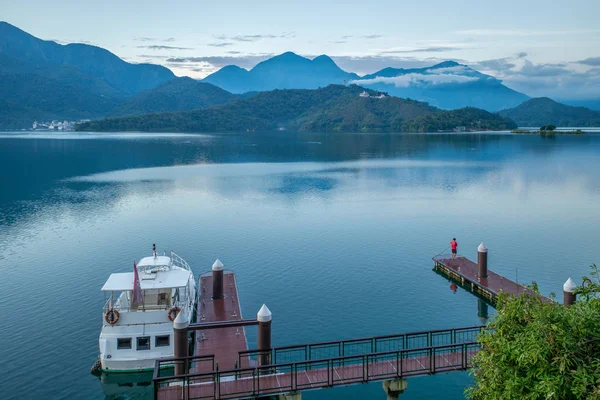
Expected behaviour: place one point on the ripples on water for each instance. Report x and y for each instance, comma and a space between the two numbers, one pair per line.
335, 233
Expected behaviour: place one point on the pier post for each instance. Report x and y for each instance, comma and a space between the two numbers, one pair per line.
217, 274
482, 258
180, 343
569, 292
264, 318
394, 388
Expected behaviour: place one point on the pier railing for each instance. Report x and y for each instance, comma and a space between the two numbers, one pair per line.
369, 345
317, 373
165, 367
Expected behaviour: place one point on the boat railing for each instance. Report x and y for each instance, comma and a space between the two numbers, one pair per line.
179, 262
117, 305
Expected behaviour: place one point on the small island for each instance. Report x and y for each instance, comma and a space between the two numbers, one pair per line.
548, 130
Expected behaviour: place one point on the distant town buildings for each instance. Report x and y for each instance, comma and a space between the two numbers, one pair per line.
56, 125
365, 94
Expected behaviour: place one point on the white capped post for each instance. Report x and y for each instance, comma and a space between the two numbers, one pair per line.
217, 275
569, 295
264, 318
482, 260
180, 342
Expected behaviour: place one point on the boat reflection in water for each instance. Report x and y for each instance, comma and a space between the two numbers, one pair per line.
127, 386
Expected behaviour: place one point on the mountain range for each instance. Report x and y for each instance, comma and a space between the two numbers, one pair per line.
45, 80
334, 108
448, 85
285, 71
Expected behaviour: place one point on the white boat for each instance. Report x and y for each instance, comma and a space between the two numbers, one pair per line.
137, 322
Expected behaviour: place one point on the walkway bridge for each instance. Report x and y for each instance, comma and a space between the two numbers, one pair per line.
292, 369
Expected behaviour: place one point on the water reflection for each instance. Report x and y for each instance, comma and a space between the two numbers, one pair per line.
363, 213
135, 386
482, 311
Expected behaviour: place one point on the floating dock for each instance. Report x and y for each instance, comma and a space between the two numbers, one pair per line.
224, 343
476, 276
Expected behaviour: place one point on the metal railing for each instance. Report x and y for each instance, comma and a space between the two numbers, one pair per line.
179, 262
165, 367
376, 344
319, 373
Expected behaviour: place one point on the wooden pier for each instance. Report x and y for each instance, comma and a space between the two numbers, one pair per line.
483, 282
223, 343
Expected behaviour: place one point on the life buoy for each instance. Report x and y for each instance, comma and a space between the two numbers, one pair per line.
173, 313
112, 316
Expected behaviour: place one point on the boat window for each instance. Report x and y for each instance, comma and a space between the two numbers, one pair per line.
123, 343
143, 343
162, 341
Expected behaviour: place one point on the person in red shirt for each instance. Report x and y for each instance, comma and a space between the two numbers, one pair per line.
454, 246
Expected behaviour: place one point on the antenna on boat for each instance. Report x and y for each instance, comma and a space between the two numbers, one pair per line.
154, 249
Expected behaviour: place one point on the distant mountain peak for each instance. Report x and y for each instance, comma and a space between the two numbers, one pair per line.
323, 58
446, 64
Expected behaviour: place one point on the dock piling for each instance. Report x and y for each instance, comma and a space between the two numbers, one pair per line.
482, 257
217, 273
180, 343
264, 318
569, 292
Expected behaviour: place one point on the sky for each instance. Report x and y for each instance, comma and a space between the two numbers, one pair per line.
542, 48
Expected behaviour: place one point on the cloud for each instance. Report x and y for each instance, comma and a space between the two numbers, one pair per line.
153, 56
417, 79
150, 39
234, 52
556, 80
371, 36
435, 49
525, 32
339, 41
591, 61
255, 38
221, 44
161, 47
244, 61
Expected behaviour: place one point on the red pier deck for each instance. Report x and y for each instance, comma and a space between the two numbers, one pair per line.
466, 272
224, 343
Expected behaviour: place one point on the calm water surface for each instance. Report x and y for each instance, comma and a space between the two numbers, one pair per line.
334, 233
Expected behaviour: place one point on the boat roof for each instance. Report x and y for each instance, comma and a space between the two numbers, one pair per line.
148, 280
154, 261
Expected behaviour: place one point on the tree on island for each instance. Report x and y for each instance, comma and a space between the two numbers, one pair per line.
537, 350
548, 128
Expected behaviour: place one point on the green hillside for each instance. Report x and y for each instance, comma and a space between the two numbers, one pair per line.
545, 111
333, 108
180, 94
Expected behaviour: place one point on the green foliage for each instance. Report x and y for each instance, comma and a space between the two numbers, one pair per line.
469, 117
334, 108
541, 350
540, 111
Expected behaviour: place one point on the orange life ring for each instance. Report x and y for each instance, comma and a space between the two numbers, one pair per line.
173, 313
112, 316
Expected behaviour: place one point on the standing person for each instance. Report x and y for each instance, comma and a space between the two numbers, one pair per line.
454, 246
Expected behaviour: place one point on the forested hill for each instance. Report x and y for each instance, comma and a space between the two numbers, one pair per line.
333, 108
544, 111
179, 94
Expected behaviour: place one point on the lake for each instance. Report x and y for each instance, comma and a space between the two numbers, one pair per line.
335, 233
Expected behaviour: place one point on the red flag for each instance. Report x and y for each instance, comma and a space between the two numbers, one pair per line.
137, 288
